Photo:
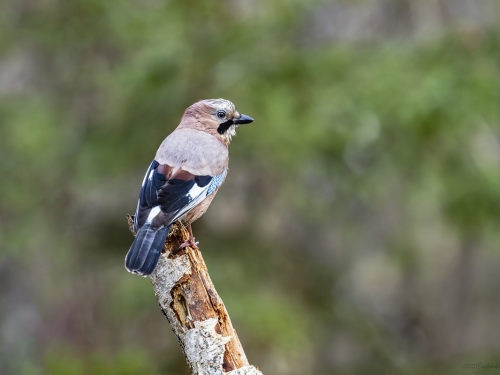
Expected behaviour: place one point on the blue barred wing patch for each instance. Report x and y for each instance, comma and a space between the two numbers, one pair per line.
216, 182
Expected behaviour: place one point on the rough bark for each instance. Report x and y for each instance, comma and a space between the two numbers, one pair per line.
198, 317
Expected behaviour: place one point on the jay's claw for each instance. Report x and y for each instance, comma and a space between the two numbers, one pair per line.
191, 243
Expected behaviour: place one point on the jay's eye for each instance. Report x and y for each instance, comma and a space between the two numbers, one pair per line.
221, 114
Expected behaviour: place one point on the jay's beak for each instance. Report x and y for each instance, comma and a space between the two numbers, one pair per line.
244, 119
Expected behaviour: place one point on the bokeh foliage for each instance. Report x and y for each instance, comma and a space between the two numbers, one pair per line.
357, 231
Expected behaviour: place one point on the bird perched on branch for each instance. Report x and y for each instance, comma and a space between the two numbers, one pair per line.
183, 178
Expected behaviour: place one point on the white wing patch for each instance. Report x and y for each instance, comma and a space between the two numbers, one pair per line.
152, 214
197, 194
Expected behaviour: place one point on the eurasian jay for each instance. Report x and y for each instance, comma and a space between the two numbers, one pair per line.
188, 169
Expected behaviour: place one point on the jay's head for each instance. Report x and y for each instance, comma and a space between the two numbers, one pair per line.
216, 116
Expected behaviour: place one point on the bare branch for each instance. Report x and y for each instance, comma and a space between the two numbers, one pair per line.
198, 317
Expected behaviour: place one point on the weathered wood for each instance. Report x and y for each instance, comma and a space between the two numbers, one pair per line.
199, 319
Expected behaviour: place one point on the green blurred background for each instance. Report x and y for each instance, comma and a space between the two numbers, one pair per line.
357, 231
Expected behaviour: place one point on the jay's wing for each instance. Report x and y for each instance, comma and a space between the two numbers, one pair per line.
172, 192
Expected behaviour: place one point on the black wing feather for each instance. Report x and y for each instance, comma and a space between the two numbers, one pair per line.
172, 195
175, 195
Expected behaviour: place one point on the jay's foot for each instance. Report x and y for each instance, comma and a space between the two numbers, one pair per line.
189, 242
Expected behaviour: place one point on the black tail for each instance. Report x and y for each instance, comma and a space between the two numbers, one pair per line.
145, 251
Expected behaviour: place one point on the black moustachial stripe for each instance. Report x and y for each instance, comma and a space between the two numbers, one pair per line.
224, 126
